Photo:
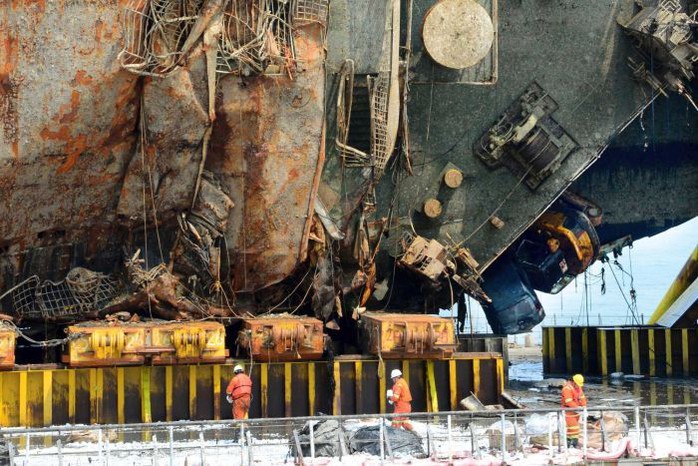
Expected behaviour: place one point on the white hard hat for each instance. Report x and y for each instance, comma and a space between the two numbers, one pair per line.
395, 373
238, 368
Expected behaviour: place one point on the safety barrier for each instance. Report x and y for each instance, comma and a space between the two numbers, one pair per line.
458, 438
642, 350
346, 385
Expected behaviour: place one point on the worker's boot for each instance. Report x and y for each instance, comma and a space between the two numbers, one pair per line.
572, 443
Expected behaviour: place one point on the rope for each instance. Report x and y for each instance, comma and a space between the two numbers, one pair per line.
41, 344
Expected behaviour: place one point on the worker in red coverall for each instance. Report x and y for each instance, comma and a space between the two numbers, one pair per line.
401, 397
573, 397
239, 393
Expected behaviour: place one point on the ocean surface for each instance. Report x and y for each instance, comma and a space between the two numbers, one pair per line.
602, 296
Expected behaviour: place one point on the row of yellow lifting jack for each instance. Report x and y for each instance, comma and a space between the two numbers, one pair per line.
267, 339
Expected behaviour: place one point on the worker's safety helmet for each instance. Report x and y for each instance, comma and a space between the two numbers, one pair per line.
578, 379
395, 373
237, 369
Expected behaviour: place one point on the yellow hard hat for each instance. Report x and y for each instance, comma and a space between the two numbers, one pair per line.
578, 379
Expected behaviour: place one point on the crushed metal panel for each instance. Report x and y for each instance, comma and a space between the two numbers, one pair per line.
282, 338
407, 335
267, 149
68, 114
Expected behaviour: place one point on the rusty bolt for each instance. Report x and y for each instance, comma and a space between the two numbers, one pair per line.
497, 222
432, 208
453, 178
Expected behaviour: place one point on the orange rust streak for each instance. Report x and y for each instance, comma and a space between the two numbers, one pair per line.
75, 149
70, 111
81, 77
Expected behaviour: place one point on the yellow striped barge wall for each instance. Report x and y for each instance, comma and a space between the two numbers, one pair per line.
641, 350
37, 397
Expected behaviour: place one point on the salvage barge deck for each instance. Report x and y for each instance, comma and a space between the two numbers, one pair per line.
32, 396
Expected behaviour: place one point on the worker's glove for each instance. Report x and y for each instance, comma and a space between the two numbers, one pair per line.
229, 398
389, 393
390, 402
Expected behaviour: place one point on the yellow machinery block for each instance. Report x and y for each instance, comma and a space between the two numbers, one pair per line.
7, 347
407, 335
97, 344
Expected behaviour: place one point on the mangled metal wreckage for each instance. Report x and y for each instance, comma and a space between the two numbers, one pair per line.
233, 159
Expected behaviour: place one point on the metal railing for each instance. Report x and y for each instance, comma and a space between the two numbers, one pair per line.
496, 435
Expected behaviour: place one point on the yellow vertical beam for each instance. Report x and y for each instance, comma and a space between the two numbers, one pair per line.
337, 400
619, 346
193, 373
48, 397
311, 388
684, 352
168, 393
358, 384
4, 422
500, 374
120, 396
603, 353
585, 350
551, 348
476, 377
96, 391
216, 382
453, 384
650, 345
668, 353
406, 370
23, 399
145, 394
568, 349
432, 394
288, 373
381, 388
264, 387
635, 344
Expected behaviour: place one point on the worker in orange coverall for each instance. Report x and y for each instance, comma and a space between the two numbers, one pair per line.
401, 397
573, 397
239, 393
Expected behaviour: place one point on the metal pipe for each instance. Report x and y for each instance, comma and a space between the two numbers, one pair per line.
504, 439
450, 438
381, 433
312, 440
155, 450
170, 435
638, 429
99, 445
688, 427
585, 430
202, 455
26, 452
550, 436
